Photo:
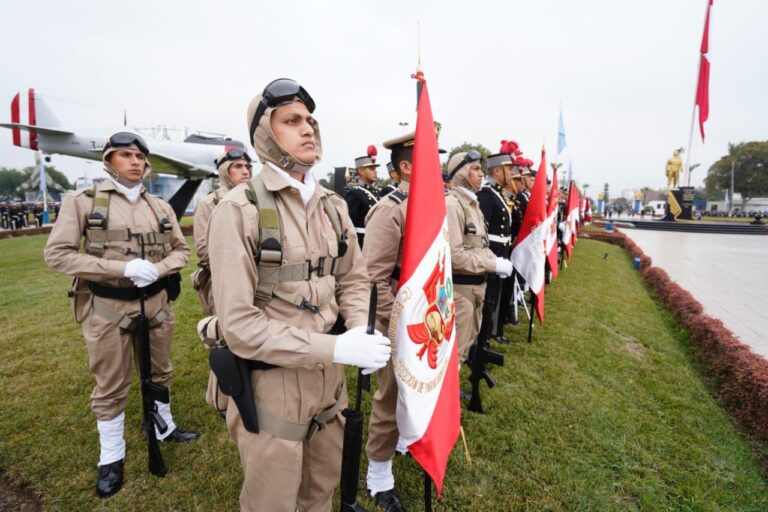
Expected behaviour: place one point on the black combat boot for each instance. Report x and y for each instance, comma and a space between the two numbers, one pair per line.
179, 436
110, 479
388, 501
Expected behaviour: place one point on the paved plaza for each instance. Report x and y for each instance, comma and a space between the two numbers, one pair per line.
728, 274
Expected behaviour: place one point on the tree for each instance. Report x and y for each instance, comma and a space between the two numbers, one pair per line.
10, 179
466, 146
749, 163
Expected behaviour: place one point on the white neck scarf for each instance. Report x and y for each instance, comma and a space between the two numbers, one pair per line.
306, 189
132, 194
470, 195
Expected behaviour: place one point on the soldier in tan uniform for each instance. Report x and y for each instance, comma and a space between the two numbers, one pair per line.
234, 167
382, 250
106, 291
284, 264
471, 257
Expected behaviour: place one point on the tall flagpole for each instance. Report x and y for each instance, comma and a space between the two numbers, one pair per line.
693, 114
690, 134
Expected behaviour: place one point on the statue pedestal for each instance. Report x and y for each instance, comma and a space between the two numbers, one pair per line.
679, 204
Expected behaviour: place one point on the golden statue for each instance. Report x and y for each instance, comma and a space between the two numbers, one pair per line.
674, 164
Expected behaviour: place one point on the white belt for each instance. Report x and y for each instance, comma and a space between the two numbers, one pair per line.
500, 239
360, 231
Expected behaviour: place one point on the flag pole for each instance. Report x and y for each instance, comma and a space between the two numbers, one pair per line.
690, 134
693, 115
427, 493
530, 318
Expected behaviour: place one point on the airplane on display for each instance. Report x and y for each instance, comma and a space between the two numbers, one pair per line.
35, 126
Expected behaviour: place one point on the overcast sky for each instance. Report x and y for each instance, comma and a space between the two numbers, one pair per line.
624, 72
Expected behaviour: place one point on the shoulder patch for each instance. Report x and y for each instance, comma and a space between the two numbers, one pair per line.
398, 196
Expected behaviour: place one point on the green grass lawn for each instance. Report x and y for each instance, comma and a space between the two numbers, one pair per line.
606, 410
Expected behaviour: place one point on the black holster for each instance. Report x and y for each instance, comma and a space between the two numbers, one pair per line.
174, 286
234, 376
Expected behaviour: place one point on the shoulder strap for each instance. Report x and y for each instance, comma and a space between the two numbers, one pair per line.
96, 223
398, 196
216, 197
164, 226
269, 256
470, 238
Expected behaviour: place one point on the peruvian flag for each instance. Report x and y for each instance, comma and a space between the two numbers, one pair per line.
702, 85
587, 211
571, 219
551, 240
528, 254
424, 358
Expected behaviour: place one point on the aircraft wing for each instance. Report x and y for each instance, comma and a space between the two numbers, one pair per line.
164, 164
38, 129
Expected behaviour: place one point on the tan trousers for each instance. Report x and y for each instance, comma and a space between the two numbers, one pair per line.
382, 428
110, 351
468, 313
282, 475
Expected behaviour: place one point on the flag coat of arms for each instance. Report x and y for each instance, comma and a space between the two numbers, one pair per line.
424, 356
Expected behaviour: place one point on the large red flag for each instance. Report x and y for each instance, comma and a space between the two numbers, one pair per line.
571, 219
424, 358
702, 85
528, 253
551, 240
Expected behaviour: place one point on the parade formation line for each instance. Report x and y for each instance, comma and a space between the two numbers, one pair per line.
608, 408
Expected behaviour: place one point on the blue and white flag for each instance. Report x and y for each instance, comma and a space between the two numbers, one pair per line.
561, 145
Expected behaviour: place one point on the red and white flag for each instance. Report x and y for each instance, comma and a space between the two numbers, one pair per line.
571, 220
424, 356
702, 85
528, 254
551, 240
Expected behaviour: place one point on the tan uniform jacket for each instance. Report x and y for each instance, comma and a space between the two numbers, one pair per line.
282, 334
383, 252
203, 213
463, 260
61, 251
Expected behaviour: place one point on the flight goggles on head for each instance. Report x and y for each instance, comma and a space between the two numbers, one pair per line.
233, 154
471, 156
124, 140
276, 93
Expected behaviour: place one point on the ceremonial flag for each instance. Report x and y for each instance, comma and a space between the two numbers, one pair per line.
551, 240
528, 253
702, 86
588, 212
561, 145
571, 219
424, 355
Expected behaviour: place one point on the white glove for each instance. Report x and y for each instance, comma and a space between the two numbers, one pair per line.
503, 267
367, 351
141, 272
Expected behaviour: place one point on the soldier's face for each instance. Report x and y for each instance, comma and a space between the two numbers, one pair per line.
368, 174
239, 171
129, 163
293, 127
528, 182
475, 176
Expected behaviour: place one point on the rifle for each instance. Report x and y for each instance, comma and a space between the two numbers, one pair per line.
482, 353
353, 430
150, 391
